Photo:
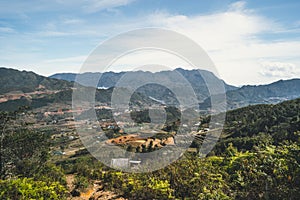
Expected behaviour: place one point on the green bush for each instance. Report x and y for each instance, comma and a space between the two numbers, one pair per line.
26, 188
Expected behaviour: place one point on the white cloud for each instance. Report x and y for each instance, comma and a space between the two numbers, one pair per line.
67, 60
279, 69
73, 21
19, 9
232, 40
92, 6
237, 6
98, 5
54, 33
216, 31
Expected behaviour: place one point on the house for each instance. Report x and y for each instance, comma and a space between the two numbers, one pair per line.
134, 164
124, 163
119, 163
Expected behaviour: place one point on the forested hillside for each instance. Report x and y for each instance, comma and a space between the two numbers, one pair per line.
12, 80
262, 124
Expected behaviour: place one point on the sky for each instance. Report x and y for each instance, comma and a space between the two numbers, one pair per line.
250, 42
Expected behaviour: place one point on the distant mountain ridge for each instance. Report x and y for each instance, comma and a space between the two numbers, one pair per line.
196, 79
236, 97
24, 81
273, 93
109, 79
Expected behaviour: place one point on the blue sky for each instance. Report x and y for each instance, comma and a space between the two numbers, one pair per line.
250, 42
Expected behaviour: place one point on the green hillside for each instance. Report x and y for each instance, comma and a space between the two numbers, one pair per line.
23, 81
261, 125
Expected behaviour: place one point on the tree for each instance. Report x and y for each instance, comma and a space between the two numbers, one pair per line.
23, 150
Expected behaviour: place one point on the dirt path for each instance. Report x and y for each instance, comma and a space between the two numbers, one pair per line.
94, 192
70, 179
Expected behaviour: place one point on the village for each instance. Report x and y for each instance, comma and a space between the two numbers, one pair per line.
131, 136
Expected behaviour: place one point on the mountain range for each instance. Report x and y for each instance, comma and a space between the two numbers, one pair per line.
41, 91
158, 82
28, 89
236, 96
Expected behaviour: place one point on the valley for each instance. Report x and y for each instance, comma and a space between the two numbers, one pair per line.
47, 141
